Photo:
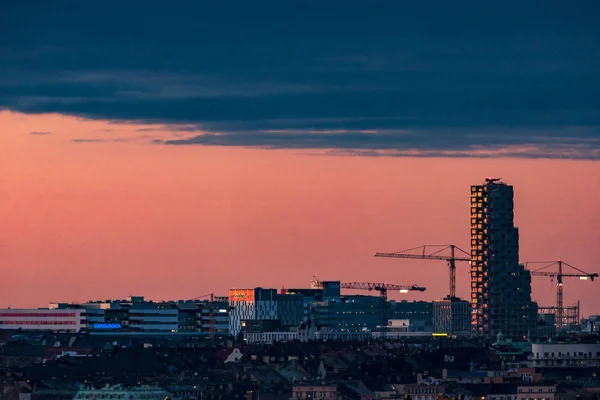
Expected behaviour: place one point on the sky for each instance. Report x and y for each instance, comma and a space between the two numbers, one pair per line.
176, 151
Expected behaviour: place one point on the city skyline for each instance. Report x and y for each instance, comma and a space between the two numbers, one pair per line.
78, 249
172, 152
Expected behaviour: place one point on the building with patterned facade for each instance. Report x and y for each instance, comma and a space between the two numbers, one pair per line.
500, 286
251, 304
452, 316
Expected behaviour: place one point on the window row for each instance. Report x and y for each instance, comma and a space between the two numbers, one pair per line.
42, 322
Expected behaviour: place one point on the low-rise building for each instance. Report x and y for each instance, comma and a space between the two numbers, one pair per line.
19, 355
424, 392
591, 324
561, 355
59, 320
327, 392
120, 392
541, 392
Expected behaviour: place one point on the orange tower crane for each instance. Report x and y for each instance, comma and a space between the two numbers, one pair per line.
435, 252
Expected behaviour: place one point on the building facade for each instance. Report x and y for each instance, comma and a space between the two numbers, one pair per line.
500, 286
290, 309
251, 304
539, 392
131, 315
452, 316
413, 310
213, 317
325, 392
154, 318
309, 296
121, 392
564, 355
591, 324
350, 314
59, 320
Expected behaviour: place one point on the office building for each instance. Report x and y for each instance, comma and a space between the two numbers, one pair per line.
251, 304
320, 291
152, 317
350, 314
331, 290
290, 309
452, 316
411, 310
213, 318
133, 314
309, 296
65, 320
500, 286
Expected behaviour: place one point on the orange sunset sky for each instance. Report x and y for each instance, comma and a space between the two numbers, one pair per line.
96, 210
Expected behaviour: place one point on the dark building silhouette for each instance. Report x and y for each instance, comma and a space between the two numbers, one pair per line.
500, 286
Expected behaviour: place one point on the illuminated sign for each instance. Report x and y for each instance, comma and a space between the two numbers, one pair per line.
107, 326
246, 295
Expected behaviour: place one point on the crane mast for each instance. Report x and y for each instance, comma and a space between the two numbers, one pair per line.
434, 252
559, 275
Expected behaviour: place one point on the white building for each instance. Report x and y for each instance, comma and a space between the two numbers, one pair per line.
68, 320
305, 335
119, 392
546, 392
560, 355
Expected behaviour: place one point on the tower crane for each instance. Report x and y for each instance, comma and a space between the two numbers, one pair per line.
559, 275
434, 252
381, 287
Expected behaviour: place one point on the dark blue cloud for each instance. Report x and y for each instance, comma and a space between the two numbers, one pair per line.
514, 73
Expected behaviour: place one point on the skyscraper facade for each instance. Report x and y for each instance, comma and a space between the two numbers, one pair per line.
500, 286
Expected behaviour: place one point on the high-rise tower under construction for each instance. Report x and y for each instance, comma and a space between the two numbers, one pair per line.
500, 287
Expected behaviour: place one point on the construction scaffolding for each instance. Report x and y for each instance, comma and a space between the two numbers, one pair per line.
570, 315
